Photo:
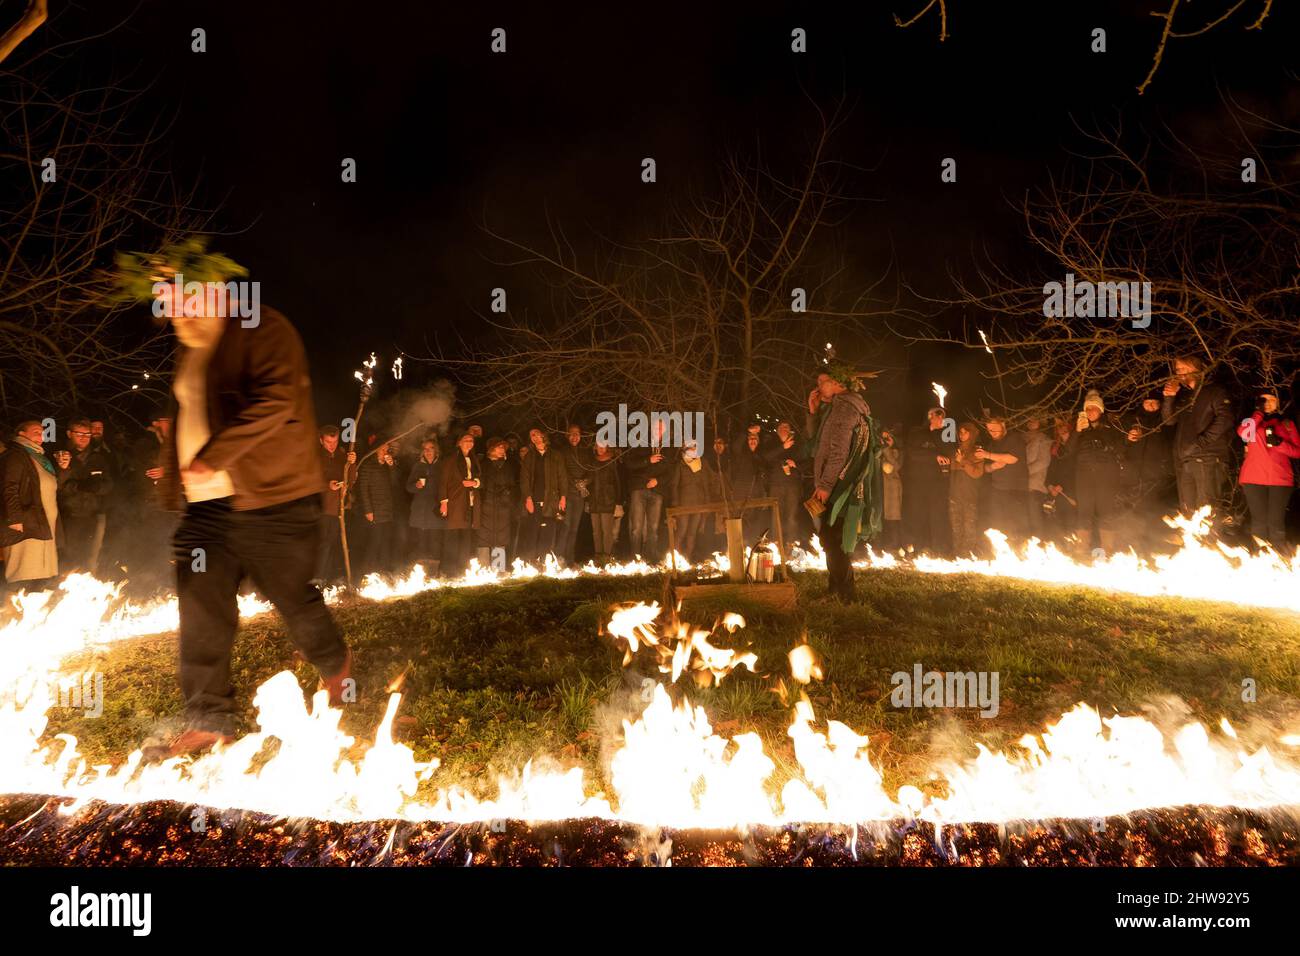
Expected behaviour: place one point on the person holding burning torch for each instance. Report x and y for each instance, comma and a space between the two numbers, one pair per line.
242, 465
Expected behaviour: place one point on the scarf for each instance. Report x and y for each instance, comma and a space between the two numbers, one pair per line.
37, 453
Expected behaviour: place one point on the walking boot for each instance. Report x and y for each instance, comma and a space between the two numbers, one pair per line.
485, 557
338, 683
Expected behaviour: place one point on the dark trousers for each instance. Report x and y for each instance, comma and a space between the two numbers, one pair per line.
926, 523
276, 548
687, 533
329, 548
457, 546
1201, 481
428, 543
602, 533
1037, 526
1096, 490
537, 534
839, 563
378, 552
790, 496
567, 534
1009, 511
645, 508
1267, 505
77, 553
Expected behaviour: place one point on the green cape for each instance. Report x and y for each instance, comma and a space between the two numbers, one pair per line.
858, 494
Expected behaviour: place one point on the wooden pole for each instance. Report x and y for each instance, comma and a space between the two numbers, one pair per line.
347, 485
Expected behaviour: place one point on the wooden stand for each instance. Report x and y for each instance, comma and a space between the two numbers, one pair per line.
778, 595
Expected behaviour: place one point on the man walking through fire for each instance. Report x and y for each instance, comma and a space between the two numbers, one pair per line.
847, 479
242, 464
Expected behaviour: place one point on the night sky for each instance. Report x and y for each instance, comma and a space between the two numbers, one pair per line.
448, 135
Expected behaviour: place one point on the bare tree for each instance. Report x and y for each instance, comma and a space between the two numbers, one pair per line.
1172, 26
78, 180
36, 14
1213, 226
704, 316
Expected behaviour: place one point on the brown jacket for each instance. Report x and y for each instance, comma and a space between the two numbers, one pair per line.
463, 511
20, 498
261, 417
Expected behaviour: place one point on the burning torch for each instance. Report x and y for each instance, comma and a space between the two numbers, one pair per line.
366, 376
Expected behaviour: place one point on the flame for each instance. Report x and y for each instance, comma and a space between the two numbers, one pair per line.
669, 767
1201, 567
805, 664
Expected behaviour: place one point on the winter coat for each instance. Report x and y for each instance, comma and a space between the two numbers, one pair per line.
20, 498
689, 487
775, 458
640, 469
84, 486
555, 480
748, 474
332, 468
924, 445
835, 438
1062, 469
577, 463
462, 503
1203, 423
1097, 450
1269, 464
261, 417
605, 485
425, 514
375, 489
499, 491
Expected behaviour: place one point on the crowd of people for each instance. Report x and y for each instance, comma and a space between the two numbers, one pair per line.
80, 501
1095, 480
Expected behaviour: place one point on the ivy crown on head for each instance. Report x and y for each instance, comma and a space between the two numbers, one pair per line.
137, 272
845, 374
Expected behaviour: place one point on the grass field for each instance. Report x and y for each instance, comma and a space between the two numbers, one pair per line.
498, 674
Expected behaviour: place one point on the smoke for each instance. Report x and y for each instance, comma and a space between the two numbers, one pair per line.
433, 407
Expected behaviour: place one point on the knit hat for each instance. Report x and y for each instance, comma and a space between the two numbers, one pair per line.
1094, 399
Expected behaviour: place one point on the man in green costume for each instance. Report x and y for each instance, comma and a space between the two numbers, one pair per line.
846, 471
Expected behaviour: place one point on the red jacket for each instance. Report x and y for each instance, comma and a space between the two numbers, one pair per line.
1265, 465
